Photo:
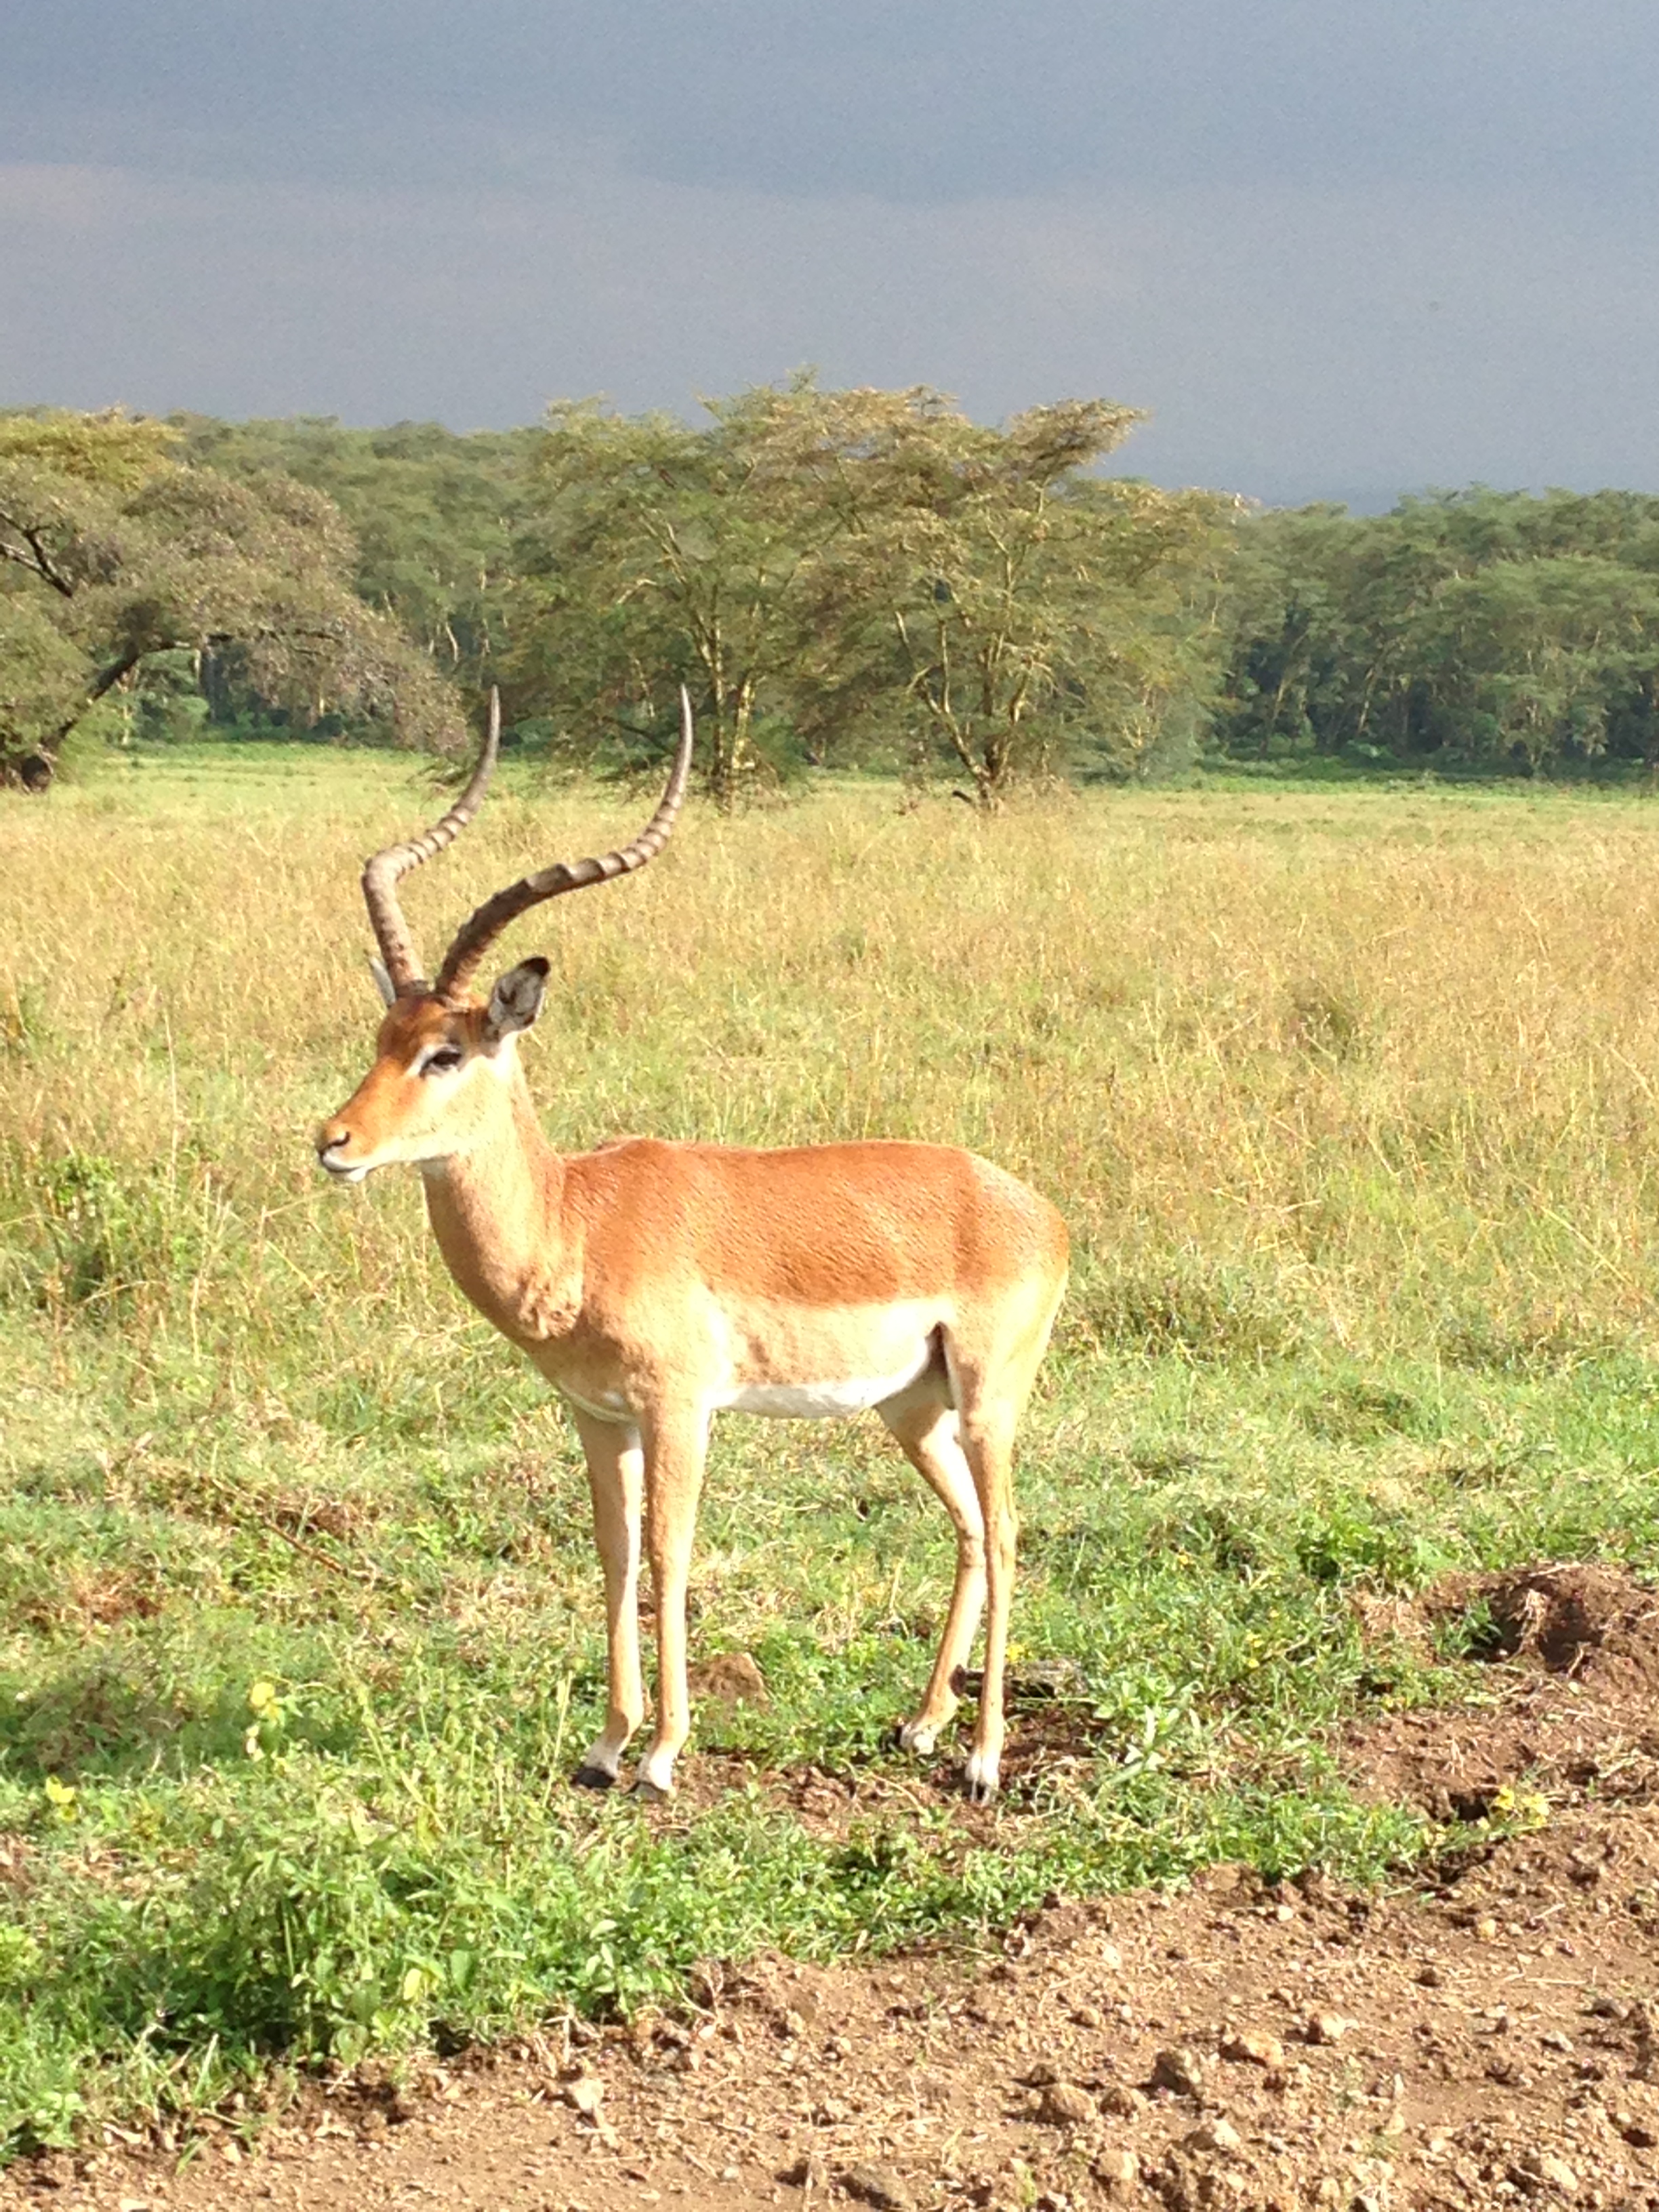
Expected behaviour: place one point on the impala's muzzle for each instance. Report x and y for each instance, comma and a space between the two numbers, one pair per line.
333, 1142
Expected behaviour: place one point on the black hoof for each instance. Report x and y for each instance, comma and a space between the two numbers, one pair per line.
648, 1793
592, 1777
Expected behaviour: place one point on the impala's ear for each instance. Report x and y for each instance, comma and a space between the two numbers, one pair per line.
383, 982
516, 999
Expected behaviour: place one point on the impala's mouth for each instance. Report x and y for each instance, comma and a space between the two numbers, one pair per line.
341, 1171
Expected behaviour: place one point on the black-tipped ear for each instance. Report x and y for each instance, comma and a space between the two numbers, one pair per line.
516, 999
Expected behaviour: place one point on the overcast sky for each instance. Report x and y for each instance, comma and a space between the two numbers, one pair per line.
1338, 247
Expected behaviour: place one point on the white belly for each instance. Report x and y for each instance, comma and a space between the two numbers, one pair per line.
816, 1401
609, 1405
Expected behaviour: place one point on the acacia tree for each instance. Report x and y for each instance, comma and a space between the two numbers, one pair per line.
1533, 656
434, 516
1010, 607
861, 565
111, 552
667, 553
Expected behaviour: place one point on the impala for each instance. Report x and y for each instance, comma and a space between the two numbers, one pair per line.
655, 1284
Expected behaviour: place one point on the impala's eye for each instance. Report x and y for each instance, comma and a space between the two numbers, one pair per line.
447, 1056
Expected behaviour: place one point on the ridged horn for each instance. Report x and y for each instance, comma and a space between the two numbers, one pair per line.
481, 929
381, 874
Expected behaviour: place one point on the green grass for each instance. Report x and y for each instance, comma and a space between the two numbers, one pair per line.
299, 1624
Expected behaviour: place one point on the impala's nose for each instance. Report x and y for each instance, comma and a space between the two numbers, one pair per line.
331, 1141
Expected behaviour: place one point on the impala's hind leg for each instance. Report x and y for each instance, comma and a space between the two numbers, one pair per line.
616, 1474
987, 1439
991, 1380
925, 1425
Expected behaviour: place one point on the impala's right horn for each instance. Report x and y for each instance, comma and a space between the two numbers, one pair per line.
481, 929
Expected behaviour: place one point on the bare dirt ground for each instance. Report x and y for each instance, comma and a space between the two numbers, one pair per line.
1488, 2037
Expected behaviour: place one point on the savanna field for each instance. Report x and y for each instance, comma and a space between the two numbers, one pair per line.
1348, 1095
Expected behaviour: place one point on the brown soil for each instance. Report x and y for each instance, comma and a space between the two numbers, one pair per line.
1484, 2039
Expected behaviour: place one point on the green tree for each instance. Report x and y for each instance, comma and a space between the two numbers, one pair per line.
1534, 657
112, 552
434, 517
1040, 613
667, 553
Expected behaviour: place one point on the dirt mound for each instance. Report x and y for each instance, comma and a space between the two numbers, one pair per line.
1574, 1656
1587, 1622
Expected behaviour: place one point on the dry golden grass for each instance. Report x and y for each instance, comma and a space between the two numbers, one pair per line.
1364, 1079
1374, 1067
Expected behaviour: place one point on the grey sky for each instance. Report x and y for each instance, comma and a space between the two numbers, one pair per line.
1348, 247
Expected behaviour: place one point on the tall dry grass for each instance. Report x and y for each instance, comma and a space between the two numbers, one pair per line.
1377, 1069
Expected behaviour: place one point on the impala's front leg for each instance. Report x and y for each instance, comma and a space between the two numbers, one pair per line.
616, 1469
676, 1446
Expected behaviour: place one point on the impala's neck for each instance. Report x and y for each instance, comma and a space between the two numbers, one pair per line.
496, 1209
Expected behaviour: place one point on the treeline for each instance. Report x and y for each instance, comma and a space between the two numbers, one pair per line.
1466, 628
840, 578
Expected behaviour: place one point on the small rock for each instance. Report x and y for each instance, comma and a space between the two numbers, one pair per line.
1064, 2105
1040, 2075
1117, 2168
1226, 1875
585, 2095
1640, 2134
1486, 1928
1121, 2101
878, 2186
1181, 2069
791, 2023
1255, 2049
1110, 1957
53, 2169
1542, 2169
1218, 2135
1429, 1977
1325, 2028
1088, 2015
805, 2173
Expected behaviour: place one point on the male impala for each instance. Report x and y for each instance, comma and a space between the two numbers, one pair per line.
655, 1284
